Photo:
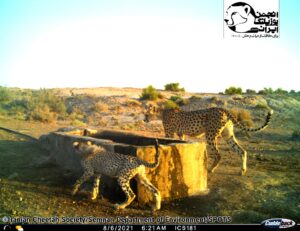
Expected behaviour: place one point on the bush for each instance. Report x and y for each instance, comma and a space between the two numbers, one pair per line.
170, 105
78, 123
242, 116
46, 100
100, 107
296, 134
132, 103
195, 98
42, 113
179, 100
4, 94
233, 90
29, 104
149, 93
266, 91
280, 91
262, 106
47, 97
173, 87
250, 92
214, 99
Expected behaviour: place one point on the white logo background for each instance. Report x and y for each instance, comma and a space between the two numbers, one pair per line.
263, 26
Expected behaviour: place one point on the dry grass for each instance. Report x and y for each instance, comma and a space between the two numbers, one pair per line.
132, 103
242, 116
100, 107
42, 113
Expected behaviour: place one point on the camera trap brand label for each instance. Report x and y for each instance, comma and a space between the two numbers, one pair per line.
278, 223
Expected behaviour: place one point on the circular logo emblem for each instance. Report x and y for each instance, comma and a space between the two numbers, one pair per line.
240, 17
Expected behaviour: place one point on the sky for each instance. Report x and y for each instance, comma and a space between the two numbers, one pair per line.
135, 43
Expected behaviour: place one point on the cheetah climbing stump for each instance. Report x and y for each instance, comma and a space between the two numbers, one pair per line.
182, 171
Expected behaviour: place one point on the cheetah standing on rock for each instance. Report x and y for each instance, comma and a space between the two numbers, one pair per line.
97, 161
213, 122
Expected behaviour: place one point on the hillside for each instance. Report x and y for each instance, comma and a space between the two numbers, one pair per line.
270, 188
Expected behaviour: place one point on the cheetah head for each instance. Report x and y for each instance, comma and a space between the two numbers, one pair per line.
87, 149
156, 112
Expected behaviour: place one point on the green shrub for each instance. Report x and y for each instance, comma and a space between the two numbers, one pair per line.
179, 100
173, 87
250, 92
78, 123
214, 99
4, 94
170, 105
176, 98
266, 91
30, 104
296, 134
42, 113
233, 90
149, 93
280, 91
195, 98
76, 113
47, 97
262, 106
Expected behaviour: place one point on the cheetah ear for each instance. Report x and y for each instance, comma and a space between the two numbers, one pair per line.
246, 11
75, 144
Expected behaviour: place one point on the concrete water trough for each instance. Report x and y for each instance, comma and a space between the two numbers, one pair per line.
182, 171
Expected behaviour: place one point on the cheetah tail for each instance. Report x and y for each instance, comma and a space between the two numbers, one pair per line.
156, 163
267, 121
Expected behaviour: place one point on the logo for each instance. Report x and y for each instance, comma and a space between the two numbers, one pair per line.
278, 223
254, 18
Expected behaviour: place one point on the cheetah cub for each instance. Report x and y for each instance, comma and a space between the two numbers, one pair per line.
97, 161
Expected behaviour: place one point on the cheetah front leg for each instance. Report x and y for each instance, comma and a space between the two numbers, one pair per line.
181, 136
86, 175
95, 191
124, 182
169, 132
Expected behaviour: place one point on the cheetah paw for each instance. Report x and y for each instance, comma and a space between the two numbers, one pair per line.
243, 172
116, 206
74, 191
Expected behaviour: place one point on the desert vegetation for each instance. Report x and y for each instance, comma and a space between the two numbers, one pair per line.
150, 93
270, 188
174, 87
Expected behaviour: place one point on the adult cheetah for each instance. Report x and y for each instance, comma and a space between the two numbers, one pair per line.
97, 161
213, 122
